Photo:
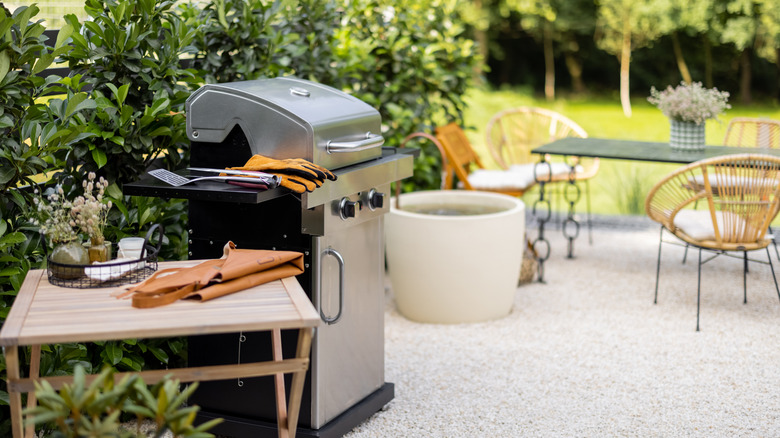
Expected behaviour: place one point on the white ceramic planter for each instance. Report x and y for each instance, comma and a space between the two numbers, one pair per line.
455, 269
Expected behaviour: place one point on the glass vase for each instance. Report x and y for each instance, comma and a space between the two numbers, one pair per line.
686, 136
99, 250
68, 260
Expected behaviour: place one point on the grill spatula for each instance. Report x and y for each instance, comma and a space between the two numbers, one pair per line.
245, 181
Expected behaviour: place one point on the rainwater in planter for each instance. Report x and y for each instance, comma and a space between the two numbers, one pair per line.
454, 256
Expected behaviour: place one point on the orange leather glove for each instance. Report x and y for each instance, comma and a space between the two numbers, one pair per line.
292, 166
296, 183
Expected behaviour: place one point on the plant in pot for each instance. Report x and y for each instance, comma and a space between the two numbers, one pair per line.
688, 107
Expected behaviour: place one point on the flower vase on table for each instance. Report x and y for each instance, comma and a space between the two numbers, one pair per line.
99, 250
69, 259
686, 136
688, 107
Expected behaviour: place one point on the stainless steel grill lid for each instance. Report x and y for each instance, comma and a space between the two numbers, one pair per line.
287, 118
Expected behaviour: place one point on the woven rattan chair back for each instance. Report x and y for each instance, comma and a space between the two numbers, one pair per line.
740, 192
753, 132
513, 133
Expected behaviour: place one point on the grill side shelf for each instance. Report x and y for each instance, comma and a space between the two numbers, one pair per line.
394, 164
200, 191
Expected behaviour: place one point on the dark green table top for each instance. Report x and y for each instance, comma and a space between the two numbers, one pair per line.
640, 150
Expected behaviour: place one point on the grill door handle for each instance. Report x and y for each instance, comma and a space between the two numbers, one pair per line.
340, 259
371, 140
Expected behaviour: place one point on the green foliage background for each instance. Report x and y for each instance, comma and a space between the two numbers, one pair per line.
133, 63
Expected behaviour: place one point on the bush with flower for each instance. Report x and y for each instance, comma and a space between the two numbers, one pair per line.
690, 102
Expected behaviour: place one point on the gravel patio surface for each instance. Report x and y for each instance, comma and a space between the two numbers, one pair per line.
588, 353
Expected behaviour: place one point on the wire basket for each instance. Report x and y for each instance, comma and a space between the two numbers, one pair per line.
108, 274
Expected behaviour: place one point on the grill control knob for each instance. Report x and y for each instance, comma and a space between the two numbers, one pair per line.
375, 199
348, 209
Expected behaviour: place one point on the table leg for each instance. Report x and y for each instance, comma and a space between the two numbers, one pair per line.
571, 227
540, 178
296, 388
281, 403
35, 370
11, 354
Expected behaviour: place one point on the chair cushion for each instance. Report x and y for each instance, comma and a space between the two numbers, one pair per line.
698, 224
487, 179
734, 181
557, 169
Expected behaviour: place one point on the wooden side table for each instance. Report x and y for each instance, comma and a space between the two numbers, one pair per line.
47, 314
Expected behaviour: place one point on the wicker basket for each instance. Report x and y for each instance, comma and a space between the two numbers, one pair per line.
530, 264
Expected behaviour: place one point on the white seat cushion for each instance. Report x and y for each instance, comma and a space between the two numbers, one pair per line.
557, 169
517, 177
698, 223
485, 179
733, 182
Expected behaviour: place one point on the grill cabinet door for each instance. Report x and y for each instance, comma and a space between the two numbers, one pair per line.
350, 351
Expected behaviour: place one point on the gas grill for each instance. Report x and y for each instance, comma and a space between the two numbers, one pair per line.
338, 227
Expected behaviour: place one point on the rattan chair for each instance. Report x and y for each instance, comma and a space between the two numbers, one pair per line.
753, 132
513, 133
737, 215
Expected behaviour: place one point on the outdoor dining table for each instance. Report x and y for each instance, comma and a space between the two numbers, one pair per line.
632, 150
43, 313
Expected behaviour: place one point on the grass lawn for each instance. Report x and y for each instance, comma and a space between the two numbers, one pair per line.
620, 186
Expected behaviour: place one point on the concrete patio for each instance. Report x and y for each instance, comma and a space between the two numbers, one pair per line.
588, 353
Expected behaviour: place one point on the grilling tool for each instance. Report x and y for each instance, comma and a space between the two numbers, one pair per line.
244, 181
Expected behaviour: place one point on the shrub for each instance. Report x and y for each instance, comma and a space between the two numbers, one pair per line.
129, 53
412, 61
80, 409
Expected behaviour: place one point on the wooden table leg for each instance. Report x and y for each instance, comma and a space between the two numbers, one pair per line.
11, 354
281, 398
296, 388
35, 370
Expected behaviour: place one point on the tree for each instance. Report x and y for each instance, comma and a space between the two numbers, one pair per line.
691, 18
625, 25
737, 23
768, 32
537, 18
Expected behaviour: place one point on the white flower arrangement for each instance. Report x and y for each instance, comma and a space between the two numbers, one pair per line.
690, 102
89, 211
53, 218
62, 220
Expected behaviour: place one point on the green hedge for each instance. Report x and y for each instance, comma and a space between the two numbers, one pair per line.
132, 66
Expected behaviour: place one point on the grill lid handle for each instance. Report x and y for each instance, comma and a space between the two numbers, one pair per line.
371, 141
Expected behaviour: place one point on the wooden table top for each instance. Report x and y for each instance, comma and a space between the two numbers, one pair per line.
640, 150
46, 314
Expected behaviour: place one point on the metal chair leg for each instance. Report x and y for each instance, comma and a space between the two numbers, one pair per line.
658, 265
777, 288
698, 294
685, 254
590, 216
744, 275
774, 243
